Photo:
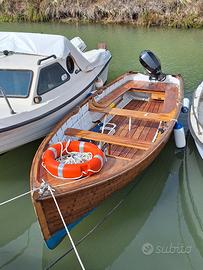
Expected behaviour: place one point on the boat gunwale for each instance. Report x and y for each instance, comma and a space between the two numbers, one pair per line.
194, 112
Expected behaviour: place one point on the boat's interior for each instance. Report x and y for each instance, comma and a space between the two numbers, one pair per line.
126, 119
136, 113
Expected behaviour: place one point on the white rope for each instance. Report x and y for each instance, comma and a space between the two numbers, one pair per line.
72, 157
63, 178
67, 231
75, 157
41, 191
65, 149
14, 198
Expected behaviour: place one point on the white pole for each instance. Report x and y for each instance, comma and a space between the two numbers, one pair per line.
102, 131
130, 123
67, 231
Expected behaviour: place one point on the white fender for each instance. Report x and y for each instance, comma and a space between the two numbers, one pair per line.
179, 135
99, 83
186, 105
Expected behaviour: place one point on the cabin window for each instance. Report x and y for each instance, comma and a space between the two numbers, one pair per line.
70, 64
15, 83
51, 77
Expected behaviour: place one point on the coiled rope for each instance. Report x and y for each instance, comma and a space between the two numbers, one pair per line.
75, 157
72, 157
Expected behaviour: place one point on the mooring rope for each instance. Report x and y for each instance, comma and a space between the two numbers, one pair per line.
108, 214
14, 198
66, 228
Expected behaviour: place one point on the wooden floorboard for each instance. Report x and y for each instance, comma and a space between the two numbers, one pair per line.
140, 125
140, 129
123, 130
123, 125
154, 126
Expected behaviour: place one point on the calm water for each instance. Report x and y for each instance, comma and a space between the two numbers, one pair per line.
162, 210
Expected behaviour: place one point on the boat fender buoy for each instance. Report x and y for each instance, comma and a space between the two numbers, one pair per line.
186, 105
99, 83
179, 135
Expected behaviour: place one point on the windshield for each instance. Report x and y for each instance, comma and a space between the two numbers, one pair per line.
15, 83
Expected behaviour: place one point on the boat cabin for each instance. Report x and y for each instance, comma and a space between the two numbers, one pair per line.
37, 68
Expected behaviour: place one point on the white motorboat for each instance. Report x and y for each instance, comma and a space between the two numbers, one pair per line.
41, 78
196, 118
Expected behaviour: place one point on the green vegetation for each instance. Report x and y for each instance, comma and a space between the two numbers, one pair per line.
172, 13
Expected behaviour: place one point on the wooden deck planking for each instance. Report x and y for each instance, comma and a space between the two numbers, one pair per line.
151, 126
140, 128
149, 130
106, 138
123, 129
123, 124
154, 126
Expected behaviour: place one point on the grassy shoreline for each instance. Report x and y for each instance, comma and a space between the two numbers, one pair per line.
167, 13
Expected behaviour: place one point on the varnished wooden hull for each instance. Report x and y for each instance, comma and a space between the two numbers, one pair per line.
78, 200
75, 210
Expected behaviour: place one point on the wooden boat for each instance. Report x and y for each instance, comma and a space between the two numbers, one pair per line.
138, 116
196, 118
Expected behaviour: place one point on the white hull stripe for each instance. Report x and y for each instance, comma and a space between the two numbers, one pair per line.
81, 146
60, 169
54, 151
100, 158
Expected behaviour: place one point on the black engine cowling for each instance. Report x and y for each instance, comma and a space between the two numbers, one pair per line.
152, 64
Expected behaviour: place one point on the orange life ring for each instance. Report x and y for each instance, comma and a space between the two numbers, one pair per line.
73, 171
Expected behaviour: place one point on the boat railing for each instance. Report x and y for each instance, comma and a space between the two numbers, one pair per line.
7, 101
199, 124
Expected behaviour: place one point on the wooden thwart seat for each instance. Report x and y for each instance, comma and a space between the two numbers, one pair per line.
163, 91
135, 114
118, 92
111, 139
107, 100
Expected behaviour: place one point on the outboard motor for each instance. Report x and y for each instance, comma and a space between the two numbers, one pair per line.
152, 64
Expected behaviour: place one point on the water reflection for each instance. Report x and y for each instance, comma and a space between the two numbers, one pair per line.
191, 186
165, 205
19, 229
